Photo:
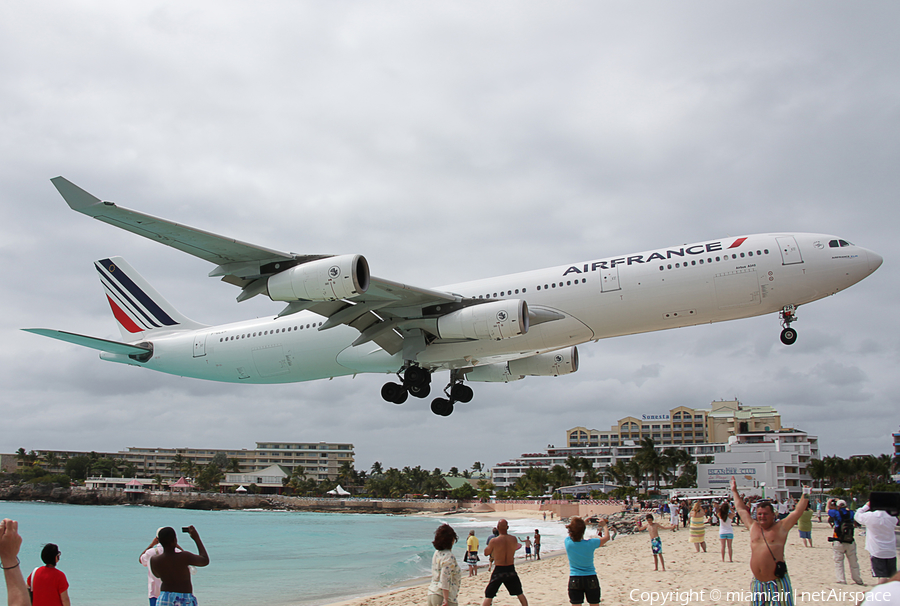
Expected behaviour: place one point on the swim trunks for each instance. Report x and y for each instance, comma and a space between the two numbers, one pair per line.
170, 598
504, 575
772, 593
586, 587
656, 545
730, 535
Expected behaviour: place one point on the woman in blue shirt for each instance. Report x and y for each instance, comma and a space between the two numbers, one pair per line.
583, 581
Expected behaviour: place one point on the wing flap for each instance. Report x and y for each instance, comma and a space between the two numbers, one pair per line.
92, 342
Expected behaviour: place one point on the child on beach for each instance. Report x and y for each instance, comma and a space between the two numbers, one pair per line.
655, 542
527, 548
726, 530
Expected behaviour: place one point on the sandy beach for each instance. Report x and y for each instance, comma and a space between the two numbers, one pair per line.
625, 568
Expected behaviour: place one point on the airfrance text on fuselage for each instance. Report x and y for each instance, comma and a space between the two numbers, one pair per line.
697, 249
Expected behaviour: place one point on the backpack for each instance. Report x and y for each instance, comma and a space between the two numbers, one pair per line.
843, 532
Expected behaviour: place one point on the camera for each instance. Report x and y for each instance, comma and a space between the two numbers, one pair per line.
886, 501
186, 529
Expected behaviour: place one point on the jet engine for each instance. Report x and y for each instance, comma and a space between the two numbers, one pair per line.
555, 363
496, 320
328, 279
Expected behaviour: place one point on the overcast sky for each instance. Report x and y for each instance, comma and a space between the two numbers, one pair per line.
445, 142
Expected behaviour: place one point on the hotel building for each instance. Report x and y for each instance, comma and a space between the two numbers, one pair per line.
702, 432
320, 460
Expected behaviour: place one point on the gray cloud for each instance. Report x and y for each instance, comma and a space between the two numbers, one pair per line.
445, 143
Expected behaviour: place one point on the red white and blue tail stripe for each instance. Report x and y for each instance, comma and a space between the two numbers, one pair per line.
136, 305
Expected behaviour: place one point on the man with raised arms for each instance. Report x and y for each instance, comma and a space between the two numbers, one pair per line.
173, 567
503, 548
771, 583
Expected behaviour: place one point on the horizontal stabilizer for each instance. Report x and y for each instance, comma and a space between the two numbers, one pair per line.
92, 342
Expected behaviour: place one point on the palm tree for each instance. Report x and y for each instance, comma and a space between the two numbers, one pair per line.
816, 470
376, 468
649, 461
560, 476
52, 460
577, 464
533, 481
619, 473
673, 458
234, 466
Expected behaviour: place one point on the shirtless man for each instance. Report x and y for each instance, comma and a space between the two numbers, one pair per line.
655, 542
172, 568
767, 537
503, 548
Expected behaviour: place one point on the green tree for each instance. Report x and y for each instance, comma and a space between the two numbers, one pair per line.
485, 488
466, 491
209, 477
559, 477
78, 467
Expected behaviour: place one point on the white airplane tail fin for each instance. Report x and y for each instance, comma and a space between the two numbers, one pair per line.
137, 306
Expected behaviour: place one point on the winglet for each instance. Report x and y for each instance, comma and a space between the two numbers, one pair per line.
75, 197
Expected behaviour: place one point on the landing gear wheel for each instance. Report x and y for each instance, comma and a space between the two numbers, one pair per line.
420, 391
394, 392
461, 393
442, 407
416, 375
788, 336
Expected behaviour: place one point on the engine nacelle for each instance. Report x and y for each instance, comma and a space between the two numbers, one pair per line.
496, 320
328, 279
553, 364
492, 373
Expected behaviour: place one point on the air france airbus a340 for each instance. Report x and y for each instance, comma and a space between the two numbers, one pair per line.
340, 320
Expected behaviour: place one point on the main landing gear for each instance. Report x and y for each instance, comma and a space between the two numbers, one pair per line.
788, 315
456, 391
416, 381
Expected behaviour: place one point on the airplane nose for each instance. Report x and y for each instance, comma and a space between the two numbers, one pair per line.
875, 260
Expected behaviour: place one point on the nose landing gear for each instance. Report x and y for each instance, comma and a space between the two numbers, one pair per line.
788, 315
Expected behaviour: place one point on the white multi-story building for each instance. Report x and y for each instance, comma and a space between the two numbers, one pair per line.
774, 463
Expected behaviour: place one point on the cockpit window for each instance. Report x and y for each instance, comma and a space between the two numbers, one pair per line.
844, 243
833, 244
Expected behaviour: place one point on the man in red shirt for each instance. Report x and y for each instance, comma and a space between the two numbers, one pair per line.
48, 585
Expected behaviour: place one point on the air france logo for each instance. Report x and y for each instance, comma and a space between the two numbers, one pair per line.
502, 316
558, 359
334, 271
659, 255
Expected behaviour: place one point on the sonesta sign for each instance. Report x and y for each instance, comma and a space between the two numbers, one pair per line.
664, 417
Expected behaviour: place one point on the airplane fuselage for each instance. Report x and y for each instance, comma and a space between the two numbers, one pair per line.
674, 287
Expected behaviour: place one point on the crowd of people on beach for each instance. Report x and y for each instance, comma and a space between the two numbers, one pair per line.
768, 523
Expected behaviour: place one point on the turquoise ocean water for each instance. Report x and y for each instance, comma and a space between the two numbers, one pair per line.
277, 557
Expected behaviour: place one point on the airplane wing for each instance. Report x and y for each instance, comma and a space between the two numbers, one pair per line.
92, 342
380, 314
